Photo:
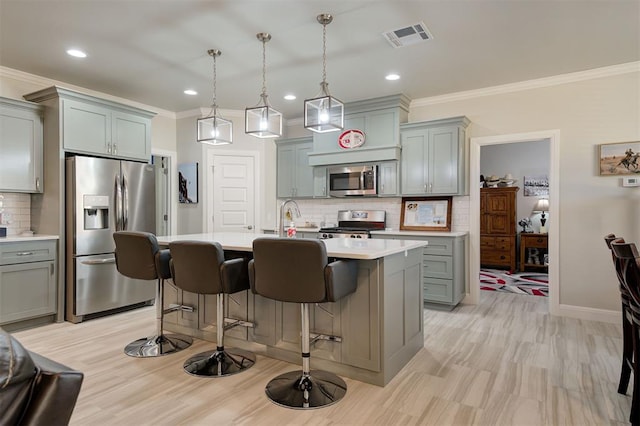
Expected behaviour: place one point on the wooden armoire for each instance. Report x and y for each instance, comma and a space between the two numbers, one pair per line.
498, 227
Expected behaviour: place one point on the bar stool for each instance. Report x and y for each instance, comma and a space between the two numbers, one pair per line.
627, 255
298, 271
138, 256
627, 325
200, 267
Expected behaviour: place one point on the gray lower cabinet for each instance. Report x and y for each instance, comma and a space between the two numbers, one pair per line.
21, 146
27, 280
443, 265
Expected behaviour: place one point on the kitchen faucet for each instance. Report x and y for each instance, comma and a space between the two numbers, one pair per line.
296, 211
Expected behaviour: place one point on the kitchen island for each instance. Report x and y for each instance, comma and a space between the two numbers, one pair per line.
381, 324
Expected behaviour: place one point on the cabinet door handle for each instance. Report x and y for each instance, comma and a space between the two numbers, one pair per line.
51, 269
38, 183
25, 253
425, 187
430, 186
115, 149
108, 148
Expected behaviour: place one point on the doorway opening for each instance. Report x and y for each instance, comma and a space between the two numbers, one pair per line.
552, 139
166, 189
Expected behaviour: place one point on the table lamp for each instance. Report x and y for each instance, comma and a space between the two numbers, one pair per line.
542, 206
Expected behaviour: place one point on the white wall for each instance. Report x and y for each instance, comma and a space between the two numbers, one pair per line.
520, 160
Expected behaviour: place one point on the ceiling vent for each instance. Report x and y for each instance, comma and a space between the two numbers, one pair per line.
413, 34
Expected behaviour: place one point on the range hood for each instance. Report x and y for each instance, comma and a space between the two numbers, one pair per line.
379, 121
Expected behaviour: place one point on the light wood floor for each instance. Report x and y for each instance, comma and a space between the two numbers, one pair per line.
503, 362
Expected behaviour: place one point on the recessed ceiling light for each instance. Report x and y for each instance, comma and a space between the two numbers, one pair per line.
392, 77
76, 53
190, 92
290, 97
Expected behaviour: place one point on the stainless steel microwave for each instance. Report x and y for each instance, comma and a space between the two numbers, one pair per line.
345, 181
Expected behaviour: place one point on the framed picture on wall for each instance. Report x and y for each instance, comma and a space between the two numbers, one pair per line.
535, 186
426, 214
188, 183
621, 158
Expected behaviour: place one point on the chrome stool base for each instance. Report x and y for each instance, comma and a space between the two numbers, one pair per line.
287, 390
219, 363
154, 346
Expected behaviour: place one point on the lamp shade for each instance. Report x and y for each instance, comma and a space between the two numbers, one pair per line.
263, 122
542, 205
215, 130
323, 114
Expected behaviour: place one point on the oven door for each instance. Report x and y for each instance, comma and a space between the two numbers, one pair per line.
352, 181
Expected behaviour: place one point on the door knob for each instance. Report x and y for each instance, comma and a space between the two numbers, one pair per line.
250, 227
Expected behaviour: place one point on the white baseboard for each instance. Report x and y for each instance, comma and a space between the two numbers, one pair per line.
590, 314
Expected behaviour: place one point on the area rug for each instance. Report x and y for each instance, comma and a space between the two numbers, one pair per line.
533, 283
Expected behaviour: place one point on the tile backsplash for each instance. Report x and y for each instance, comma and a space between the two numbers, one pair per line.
15, 212
325, 211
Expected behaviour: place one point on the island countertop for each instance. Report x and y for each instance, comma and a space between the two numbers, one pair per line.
346, 248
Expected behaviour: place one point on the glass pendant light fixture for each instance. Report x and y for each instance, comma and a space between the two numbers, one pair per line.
262, 121
324, 113
213, 129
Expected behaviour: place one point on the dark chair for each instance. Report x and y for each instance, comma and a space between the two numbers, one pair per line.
200, 267
138, 256
298, 271
627, 325
627, 255
34, 390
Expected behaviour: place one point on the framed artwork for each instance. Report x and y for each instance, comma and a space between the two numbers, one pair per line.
188, 183
536, 186
426, 214
620, 158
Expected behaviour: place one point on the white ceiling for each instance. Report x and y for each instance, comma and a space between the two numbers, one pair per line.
150, 51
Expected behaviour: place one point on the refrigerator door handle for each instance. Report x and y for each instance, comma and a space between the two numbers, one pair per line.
125, 202
118, 198
99, 261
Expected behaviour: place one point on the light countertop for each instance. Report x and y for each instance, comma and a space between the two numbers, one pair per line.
347, 248
23, 238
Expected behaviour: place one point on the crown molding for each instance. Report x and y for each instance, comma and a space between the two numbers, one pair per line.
530, 84
44, 83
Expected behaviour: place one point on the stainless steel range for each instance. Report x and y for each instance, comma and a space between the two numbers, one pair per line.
355, 224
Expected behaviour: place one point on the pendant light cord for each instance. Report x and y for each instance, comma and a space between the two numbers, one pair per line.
324, 53
214, 105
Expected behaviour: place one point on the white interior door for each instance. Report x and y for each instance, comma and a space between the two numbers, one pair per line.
231, 203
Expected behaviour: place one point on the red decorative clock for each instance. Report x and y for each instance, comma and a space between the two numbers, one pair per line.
351, 138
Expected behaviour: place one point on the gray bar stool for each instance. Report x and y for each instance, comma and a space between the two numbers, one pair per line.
298, 271
138, 256
200, 267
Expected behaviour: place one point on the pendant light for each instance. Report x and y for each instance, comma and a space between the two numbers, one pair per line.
213, 129
324, 113
262, 121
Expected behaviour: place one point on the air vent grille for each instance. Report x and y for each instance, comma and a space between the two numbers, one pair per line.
413, 34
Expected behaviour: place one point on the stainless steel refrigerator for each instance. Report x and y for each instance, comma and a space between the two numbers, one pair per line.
104, 196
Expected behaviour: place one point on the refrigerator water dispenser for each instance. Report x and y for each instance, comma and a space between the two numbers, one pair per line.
96, 211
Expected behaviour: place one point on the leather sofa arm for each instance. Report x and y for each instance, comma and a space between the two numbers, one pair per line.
55, 392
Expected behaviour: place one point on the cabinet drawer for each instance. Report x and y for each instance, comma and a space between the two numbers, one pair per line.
25, 252
495, 258
438, 266
438, 290
538, 242
439, 246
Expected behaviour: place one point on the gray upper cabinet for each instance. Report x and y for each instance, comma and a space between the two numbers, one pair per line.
295, 177
93, 129
94, 126
433, 157
20, 146
388, 178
